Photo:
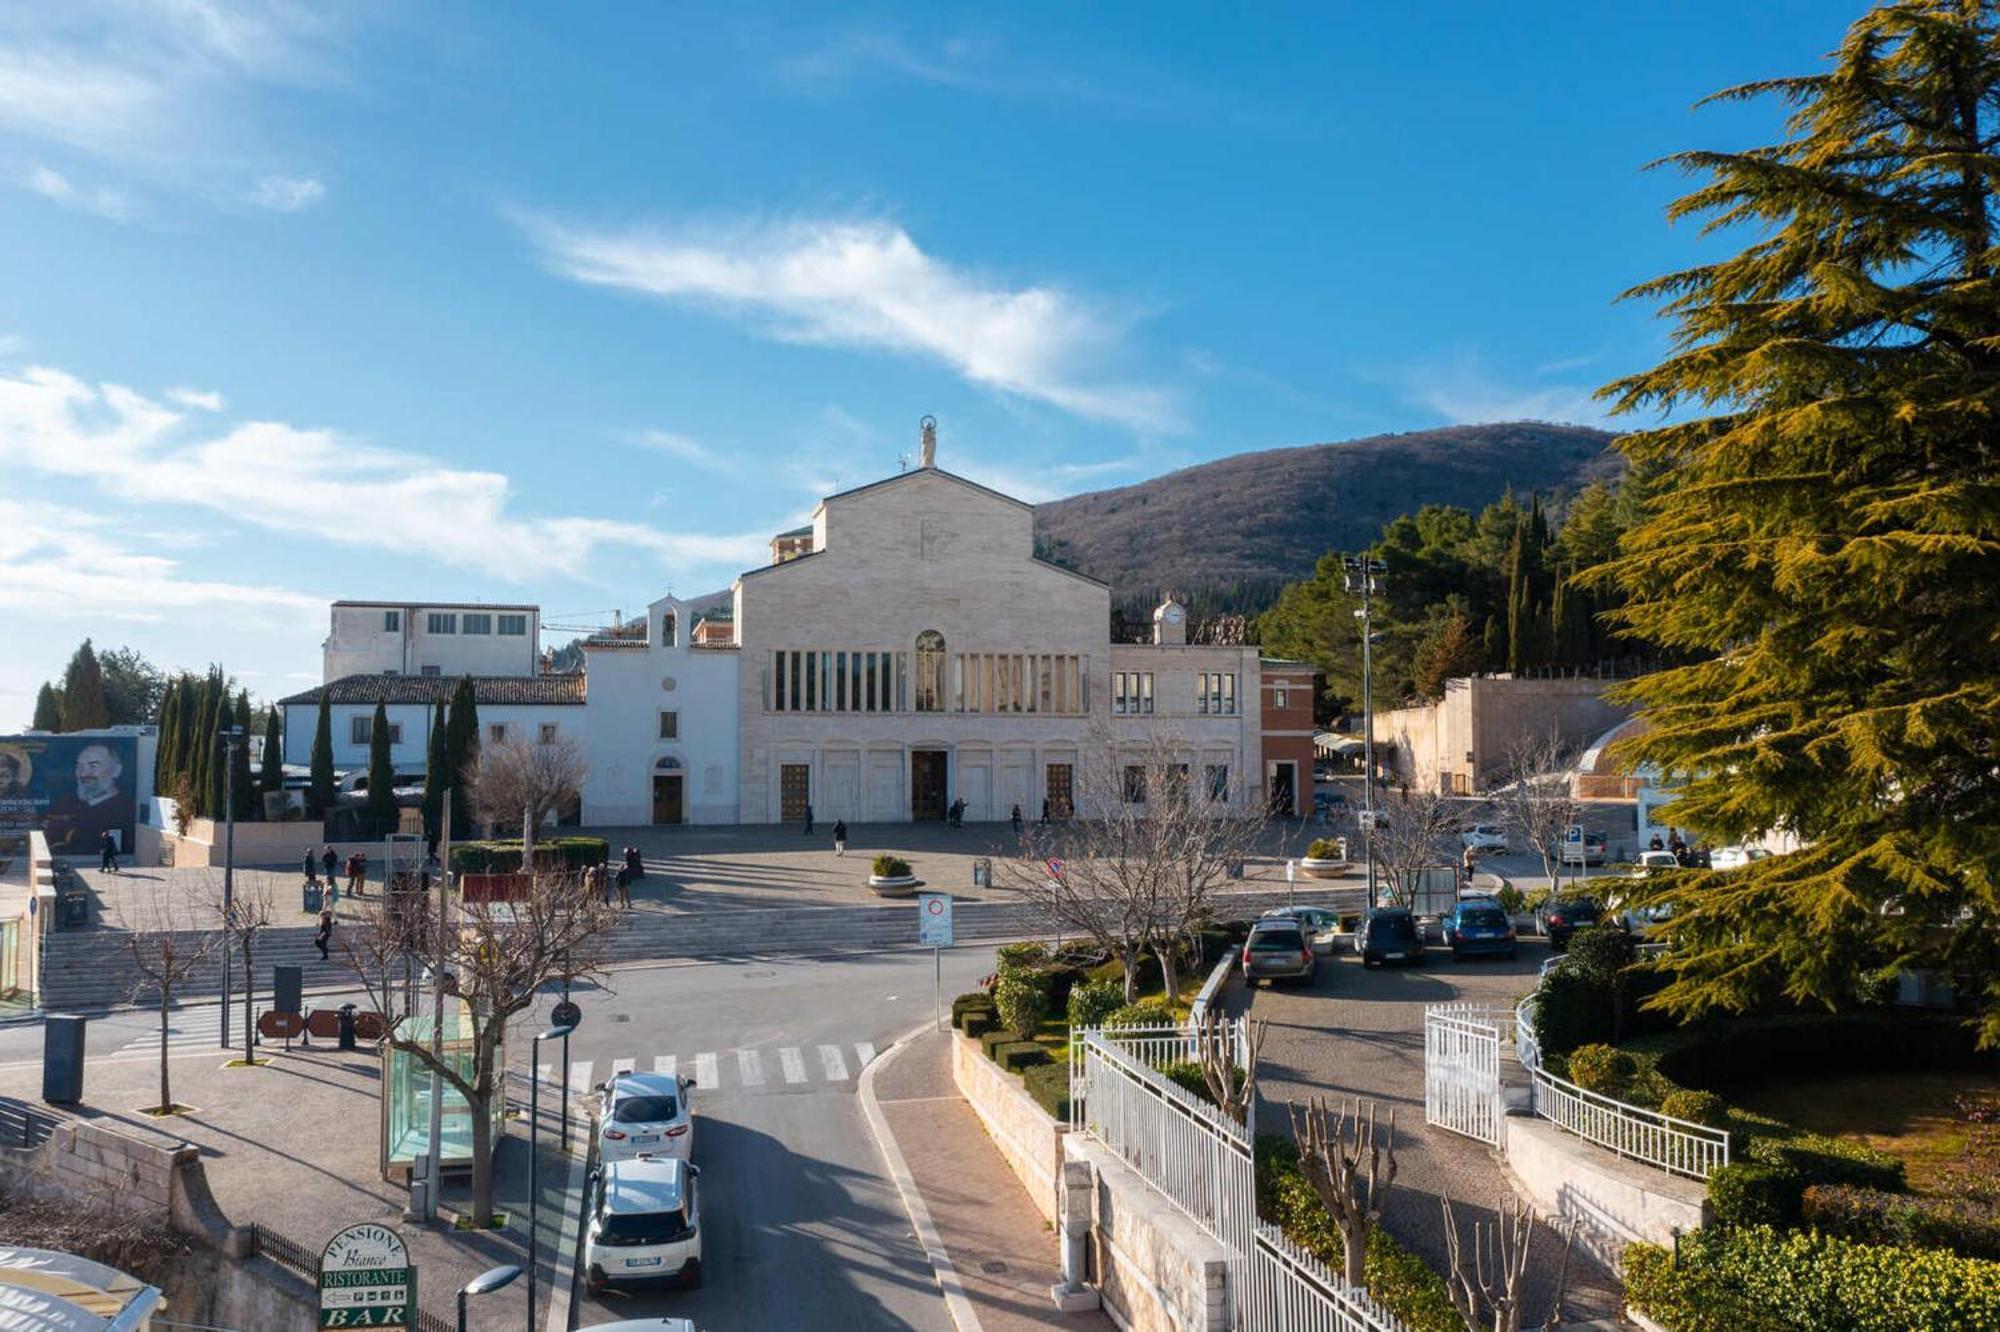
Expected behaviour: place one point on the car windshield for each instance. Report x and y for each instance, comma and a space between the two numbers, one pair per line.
1576, 906
643, 1227
643, 1109
1398, 924
1277, 941
1484, 917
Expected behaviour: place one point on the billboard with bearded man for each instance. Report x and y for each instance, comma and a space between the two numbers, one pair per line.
75, 788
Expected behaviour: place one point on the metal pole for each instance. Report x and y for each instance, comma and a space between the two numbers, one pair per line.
228, 881
437, 1008
937, 988
565, 1064
534, 1174
1368, 719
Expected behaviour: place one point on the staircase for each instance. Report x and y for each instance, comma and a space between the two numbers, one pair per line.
92, 970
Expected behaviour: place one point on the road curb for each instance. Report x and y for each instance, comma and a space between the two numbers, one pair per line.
963, 1316
562, 1298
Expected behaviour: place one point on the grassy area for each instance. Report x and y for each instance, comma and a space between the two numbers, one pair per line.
1909, 1115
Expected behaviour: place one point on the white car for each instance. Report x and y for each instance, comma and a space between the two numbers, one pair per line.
1654, 860
645, 1114
1736, 857
645, 1224
1485, 837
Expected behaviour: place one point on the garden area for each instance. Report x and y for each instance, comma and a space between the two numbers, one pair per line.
1863, 1189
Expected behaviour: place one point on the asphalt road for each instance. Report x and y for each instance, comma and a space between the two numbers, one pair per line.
800, 1227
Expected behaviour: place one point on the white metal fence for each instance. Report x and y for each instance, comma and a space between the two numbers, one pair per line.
1205, 1164
1462, 1069
1678, 1146
1527, 1048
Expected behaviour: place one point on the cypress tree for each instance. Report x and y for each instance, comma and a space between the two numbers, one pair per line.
271, 774
1518, 606
163, 752
381, 805
436, 769
216, 753
319, 787
190, 718
1824, 549
461, 745
48, 708
83, 706
247, 803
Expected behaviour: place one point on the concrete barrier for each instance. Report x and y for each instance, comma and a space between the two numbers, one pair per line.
1157, 1271
1612, 1201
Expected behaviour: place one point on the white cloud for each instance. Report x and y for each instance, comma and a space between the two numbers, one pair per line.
292, 480
1464, 391
681, 448
57, 188
287, 194
867, 284
197, 398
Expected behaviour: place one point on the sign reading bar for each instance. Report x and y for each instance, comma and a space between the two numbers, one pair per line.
365, 1280
934, 920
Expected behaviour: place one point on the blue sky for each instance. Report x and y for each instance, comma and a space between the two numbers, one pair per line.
513, 302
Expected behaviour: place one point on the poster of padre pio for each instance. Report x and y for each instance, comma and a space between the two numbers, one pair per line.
75, 788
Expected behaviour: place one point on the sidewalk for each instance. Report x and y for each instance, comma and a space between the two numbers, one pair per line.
1001, 1253
292, 1146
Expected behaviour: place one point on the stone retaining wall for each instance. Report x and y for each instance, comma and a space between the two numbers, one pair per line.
1612, 1201
1156, 1270
1028, 1138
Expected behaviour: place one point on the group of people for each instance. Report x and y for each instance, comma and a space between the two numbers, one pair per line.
603, 880
1688, 855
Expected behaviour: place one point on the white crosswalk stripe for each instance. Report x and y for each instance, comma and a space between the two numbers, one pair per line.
579, 1074
865, 1052
705, 1074
834, 1062
545, 1073
664, 1065
793, 1063
622, 1066
750, 1068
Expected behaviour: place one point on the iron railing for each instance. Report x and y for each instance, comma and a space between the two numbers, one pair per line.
1678, 1146
21, 1125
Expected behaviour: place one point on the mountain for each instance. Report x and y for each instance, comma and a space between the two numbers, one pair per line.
1229, 533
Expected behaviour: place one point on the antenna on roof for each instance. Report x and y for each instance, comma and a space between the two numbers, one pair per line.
902, 462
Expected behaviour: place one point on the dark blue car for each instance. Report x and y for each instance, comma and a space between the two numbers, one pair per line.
1478, 925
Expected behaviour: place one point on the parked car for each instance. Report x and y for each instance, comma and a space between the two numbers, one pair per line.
1736, 857
1655, 860
645, 1114
1478, 925
1389, 934
645, 1224
1277, 950
646, 1325
1485, 837
1559, 917
1317, 923
1590, 851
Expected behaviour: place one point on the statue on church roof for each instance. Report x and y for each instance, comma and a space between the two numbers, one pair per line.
927, 445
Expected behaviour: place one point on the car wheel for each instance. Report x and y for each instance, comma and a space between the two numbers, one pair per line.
694, 1275
593, 1282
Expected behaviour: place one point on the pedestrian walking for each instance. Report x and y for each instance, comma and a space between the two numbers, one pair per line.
840, 837
1045, 811
809, 819
635, 862
332, 892
1016, 819
107, 852
624, 881
624, 890
330, 859
311, 868
324, 935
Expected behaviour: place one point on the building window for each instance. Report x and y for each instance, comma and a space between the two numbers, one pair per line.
1281, 697
1135, 784
361, 730
548, 733
1217, 777
392, 622
497, 733
669, 626
513, 626
430, 670
930, 671
480, 623
442, 622
670, 726
1132, 693
1215, 695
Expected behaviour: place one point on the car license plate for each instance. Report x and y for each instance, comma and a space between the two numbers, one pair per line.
645, 1137
1393, 957
642, 1262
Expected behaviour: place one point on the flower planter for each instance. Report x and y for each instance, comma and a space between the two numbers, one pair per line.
895, 885
1325, 869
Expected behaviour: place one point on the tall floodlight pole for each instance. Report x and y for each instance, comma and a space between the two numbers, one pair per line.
436, 1138
229, 737
1361, 574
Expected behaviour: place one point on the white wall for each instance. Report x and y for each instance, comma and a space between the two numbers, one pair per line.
358, 644
522, 721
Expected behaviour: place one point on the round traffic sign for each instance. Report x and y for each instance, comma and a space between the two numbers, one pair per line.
565, 1014
934, 905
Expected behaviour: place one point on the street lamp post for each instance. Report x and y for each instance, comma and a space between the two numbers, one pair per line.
229, 737
1361, 578
534, 1173
486, 1282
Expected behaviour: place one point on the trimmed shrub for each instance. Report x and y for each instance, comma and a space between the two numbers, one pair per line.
1966, 1226
1022, 957
1745, 1051
1818, 1159
1512, 900
1146, 1013
504, 857
1186, 1074
1017, 1055
1751, 1193
1023, 1000
1754, 1279
971, 1002
1093, 1002
1323, 848
1571, 1009
1000, 1035
1601, 951
886, 866
1059, 981
1697, 1107
1049, 1085
1604, 1069
980, 1021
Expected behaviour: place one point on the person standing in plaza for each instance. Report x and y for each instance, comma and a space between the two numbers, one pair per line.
330, 859
311, 867
107, 858
840, 837
809, 819
624, 890
324, 935
1015, 819
624, 882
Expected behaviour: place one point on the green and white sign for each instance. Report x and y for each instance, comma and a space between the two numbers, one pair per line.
365, 1279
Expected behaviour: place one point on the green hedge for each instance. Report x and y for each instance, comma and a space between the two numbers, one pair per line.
1015, 1056
1756, 1279
1146, 1013
1023, 1000
1049, 1085
505, 857
1966, 1226
981, 1022
1814, 1157
1572, 1009
1093, 1002
977, 1001
991, 1041
1741, 1052
886, 866
1752, 1193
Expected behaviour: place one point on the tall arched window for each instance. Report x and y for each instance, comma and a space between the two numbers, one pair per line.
930, 671
667, 627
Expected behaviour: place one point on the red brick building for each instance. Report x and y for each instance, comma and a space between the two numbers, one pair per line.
1286, 704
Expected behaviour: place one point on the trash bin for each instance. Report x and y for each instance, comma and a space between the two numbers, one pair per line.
982, 873
72, 911
347, 1026
1233, 870
315, 899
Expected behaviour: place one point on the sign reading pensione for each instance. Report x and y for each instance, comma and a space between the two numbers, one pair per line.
365, 1279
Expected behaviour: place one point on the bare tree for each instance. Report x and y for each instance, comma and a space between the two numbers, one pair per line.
517, 779
1232, 1088
1417, 834
1537, 800
1486, 1285
1350, 1161
1139, 871
497, 957
169, 952
250, 910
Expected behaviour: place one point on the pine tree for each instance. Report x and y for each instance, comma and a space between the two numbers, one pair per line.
461, 744
437, 771
48, 709
271, 773
1824, 546
1450, 651
381, 805
83, 707
319, 785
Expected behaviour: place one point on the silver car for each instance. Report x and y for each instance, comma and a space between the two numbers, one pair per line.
1318, 924
1277, 950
